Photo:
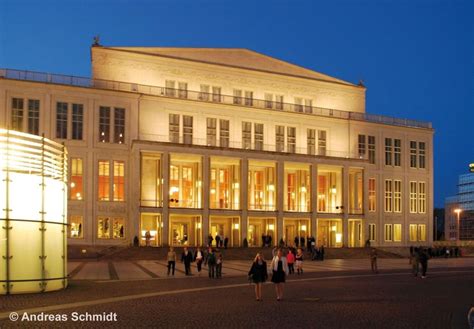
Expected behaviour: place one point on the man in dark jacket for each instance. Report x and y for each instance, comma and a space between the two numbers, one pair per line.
187, 258
423, 262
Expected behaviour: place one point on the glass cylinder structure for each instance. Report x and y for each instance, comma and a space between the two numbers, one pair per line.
33, 204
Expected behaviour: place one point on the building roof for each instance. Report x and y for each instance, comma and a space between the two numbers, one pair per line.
235, 57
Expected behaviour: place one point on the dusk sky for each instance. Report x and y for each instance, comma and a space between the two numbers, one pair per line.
416, 57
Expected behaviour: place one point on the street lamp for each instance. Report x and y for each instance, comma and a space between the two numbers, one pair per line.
458, 211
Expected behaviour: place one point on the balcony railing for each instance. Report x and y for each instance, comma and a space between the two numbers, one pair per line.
206, 97
251, 146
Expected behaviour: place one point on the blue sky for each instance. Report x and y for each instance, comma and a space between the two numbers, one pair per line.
416, 57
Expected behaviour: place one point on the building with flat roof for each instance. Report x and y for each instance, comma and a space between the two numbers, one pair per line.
173, 145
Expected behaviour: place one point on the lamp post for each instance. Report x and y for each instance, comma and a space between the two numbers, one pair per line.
458, 211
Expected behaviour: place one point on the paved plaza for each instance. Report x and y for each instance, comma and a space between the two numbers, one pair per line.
330, 294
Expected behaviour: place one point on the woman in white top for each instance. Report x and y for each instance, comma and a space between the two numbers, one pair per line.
279, 268
198, 258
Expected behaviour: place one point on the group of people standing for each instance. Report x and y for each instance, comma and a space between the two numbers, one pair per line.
419, 256
221, 242
212, 259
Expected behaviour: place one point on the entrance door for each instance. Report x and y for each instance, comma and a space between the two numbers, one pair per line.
355, 233
291, 232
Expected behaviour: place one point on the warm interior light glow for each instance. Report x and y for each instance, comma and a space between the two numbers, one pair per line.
458, 211
236, 226
303, 228
198, 226
333, 228
271, 187
338, 237
271, 227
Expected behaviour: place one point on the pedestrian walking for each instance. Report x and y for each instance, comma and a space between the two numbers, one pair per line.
187, 258
171, 257
279, 268
415, 261
299, 261
147, 238
199, 258
258, 275
219, 265
373, 260
290, 258
218, 240
424, 262
211, 263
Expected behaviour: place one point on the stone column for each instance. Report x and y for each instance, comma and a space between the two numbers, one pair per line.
206, 169
244, 169
166, 198
280, 199
314, 200
345, 203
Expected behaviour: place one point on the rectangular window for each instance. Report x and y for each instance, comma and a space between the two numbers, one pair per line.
258, 136
248, 98
119, 125
224, 133
174, 128
388, 151
422, 155
311, 139
422, 232
77, 121
118, 228
76, 190
187, 129
397, 152
413, 154
204, 93
371, 149
182, 90
421, 197
216, 94
298, 104
321, 142
361, 146
211, 132
76, 224
170, 90
104, 180
388, 195
279, 102
372, 195
413, 232
268, 101
103, 227
61, 120
397, 232
237, 96
397, 196
291, 140
151, 180
246, 135
33, 116
279, 138
119, 181
388, 232
308, 106
17, 114
372, 232
104, 124
413, 198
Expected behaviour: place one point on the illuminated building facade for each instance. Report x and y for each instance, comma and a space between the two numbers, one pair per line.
181, 143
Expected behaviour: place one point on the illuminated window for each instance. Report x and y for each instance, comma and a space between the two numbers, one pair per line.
185, 185
224, 184
371, 140
291, 140
182, 90
76, 185
356, 193
268, 101
421, 198
372, 232
170, 89
77, 121
397, 232
361, 146
321, 142
397, 152
413, 232
104, 124
279, 102
388, 195
311, 139
103, 227
61, 120
422, 232
151, 180
261, 186
248, 98
33, 116
279, 138
422, 155
104, 181
187, 129
119, 125
397, 196
174, 128
17, 114
413, 154
413, 198
211, 131
76, 227
297, 188
308, 106
329, 189
119, 181
224, 133
246, 135
216, 94
237, 96
258, 131
388, 232
372, 195
118, 228
388, 151
204, 93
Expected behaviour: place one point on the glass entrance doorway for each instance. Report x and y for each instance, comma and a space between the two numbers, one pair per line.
261, 231
295, 229
151, 230
355, 233
185, 230
225, 227
329, 233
